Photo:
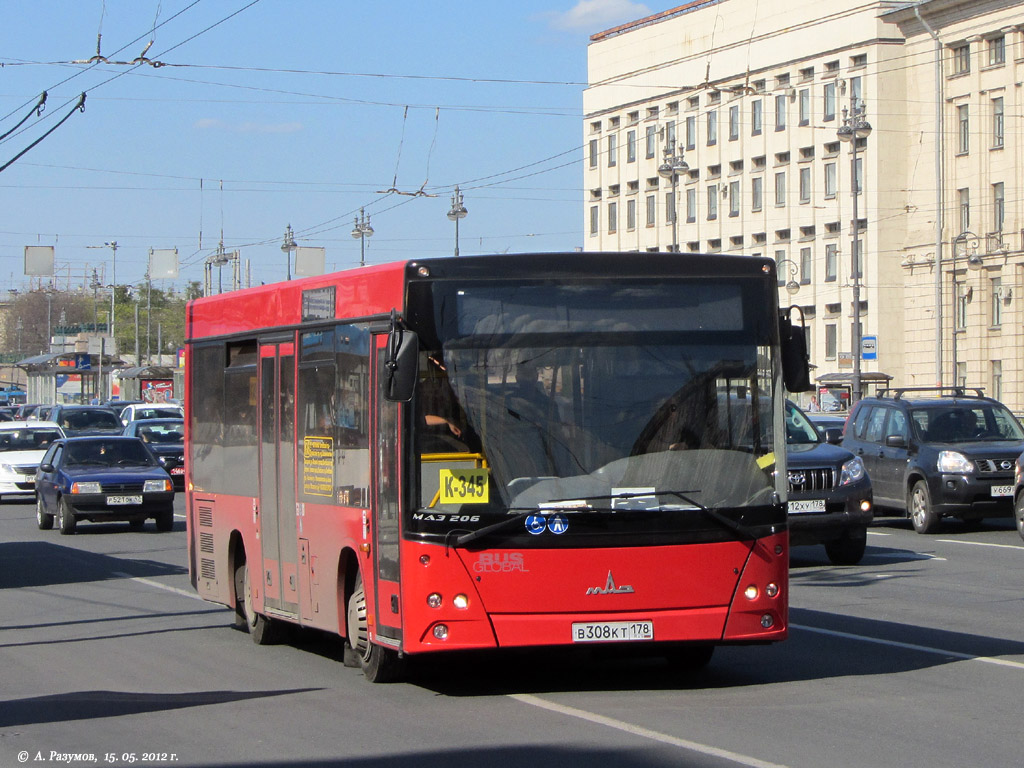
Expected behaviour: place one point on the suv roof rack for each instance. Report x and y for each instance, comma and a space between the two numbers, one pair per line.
942, 391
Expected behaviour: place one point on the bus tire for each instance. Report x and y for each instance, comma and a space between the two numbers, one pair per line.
43, 519
65, 517
264, 631
379, 664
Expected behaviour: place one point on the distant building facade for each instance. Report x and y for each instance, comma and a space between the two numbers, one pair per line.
751, 96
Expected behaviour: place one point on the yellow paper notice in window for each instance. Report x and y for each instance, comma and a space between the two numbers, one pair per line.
464, 486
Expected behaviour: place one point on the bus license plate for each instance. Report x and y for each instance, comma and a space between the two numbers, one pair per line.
806, 505
122, 500
1002, 490
612, 631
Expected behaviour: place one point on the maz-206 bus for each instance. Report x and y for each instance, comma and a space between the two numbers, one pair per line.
497, 452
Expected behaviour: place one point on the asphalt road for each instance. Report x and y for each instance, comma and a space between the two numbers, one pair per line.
913, 658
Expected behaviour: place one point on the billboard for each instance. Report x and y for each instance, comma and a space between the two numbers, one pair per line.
39, 260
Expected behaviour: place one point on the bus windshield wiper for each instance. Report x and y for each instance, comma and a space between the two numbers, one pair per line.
742, 531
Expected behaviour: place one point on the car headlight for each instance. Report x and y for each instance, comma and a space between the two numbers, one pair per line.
155, 486
86, 488
954, 462
853, 470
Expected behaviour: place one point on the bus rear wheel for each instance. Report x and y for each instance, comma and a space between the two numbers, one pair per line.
263, 631
379, 664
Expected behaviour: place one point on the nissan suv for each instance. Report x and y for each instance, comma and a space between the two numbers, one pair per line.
830, 494
934, 453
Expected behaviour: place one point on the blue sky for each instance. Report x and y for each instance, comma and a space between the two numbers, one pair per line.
299, 112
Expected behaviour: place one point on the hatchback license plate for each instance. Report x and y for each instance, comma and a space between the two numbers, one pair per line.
803, 506
123, 500
612, 631
1002, 490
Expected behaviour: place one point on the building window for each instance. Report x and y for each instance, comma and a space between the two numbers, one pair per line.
830, 101
997, 379
998, 123
996, 284
831, 341
805, 185
860, 60
631, 146
734, 122
631, 214
756, 117
612, 150
593, 153
830, 180
780, 256
756, 193
691, 132
712, 201
613, 218
858, 176
780, 189
831, 262
734, 198
964, 202
780, 112
670, 135
670, 207
712, 128
963, 121
651, 140
691, 205
961, 59
651, 208
805, 266
593, 220
960, 311
805, 106
996, 51
998, 207
857, 263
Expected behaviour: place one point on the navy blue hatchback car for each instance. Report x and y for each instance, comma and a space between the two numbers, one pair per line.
102, 479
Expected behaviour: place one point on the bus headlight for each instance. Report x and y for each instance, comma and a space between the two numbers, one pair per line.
434, 600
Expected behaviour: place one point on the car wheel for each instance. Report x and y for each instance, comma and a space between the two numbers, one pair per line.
65, 517
165, 520
43, 519
848, 550
921, 513
263, 631
379, 664
1018, 514
136, 525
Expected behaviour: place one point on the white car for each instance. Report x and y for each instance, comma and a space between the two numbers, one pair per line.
137, 411
22, 445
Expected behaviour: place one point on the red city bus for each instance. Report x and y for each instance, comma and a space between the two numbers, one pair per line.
496, 452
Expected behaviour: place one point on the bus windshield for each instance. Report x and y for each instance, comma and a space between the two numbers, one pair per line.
600, 397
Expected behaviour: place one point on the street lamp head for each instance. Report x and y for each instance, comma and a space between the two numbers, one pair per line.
974, 262
459, 212
666, 171
792, 287
845, 132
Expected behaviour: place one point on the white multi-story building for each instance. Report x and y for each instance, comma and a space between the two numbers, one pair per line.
752, 97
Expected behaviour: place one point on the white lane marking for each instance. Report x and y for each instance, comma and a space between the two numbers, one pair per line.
981, 544
911, 646
646, 733
158, 585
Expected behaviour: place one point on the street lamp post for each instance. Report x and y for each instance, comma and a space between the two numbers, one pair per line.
966, 243
112, 245
361, 231
288, 246
854, 128
458, 211
670, 168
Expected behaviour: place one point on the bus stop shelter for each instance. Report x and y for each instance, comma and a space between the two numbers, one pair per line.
151, 383
68, 377
833, 391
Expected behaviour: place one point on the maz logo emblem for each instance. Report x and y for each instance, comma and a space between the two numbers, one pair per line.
610, 588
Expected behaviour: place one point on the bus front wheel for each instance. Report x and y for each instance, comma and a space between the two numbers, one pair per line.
379, 664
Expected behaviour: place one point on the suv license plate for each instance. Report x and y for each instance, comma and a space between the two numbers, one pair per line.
1002, 490
122, 500
612, 631
805, 505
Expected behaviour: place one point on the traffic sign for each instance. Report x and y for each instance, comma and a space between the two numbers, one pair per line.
869, 348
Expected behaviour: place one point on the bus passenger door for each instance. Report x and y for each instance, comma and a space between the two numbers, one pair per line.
277, 479
385, 506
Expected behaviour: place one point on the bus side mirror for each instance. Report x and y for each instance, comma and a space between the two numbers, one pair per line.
401, 365
796, 371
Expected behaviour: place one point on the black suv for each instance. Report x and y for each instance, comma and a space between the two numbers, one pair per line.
950, 454
829, 492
